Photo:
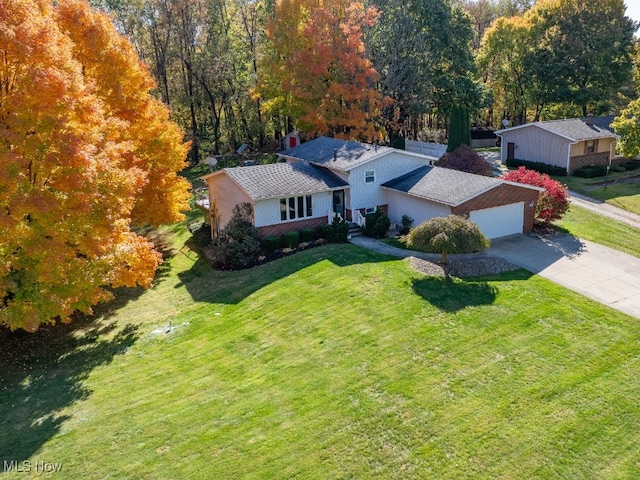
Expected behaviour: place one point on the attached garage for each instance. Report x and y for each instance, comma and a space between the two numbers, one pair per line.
499, 221
498, 207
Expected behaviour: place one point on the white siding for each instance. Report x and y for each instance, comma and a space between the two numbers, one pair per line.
499, 221
536, 145
387, 167
417, 208
267, 212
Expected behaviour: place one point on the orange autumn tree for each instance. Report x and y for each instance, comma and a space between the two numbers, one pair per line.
85, 153
316, 69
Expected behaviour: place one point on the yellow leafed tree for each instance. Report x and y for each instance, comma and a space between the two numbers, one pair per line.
85, 153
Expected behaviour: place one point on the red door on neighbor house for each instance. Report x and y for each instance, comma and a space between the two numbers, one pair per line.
511, 150
293, 141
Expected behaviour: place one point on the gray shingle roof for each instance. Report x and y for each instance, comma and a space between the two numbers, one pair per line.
442, 185
347, 154
575, 129
282, 179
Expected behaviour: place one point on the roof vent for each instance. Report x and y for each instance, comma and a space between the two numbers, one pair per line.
590, 118
335, 154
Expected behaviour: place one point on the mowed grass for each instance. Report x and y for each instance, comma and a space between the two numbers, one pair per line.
622, 195
332, 363
588, 225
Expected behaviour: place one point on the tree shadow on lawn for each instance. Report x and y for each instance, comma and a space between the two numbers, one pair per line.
205, 284
451, 294
43, 373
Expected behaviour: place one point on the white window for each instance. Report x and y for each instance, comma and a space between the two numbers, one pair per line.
368, 211
369, 176
295, 207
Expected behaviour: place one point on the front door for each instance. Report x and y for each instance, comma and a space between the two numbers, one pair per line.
511, 150
338, 202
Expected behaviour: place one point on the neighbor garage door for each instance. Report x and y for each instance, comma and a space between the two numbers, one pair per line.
499, 221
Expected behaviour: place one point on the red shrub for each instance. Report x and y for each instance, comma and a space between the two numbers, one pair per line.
553, 203
466, 160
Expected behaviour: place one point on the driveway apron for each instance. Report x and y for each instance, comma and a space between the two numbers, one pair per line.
600, 273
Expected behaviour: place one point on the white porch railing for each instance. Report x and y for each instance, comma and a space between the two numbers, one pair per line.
331, 214
358, 218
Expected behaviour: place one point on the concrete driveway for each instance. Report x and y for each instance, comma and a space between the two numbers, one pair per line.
601, 273
597, 272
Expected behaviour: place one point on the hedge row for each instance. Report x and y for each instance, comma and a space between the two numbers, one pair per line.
336, 232
601, 170
537, 166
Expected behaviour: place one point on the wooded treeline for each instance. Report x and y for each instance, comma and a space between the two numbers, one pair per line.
250, 71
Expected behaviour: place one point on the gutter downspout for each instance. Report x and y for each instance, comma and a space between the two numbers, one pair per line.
569, 156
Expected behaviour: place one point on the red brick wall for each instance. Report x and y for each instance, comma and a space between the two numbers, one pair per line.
503, 195
280, 228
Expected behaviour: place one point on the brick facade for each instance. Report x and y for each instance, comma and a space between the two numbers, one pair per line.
601, 158
280, 228
503, 195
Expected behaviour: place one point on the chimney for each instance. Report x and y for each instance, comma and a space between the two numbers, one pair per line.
590, 118
335, 154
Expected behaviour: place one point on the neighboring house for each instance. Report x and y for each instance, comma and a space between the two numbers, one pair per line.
570, 144
328, 176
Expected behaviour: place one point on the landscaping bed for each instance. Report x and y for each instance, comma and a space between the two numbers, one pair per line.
469, 267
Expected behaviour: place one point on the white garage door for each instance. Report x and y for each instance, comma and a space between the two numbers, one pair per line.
499, 221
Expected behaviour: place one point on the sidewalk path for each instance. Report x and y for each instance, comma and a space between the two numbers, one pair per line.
600, 273
605, 209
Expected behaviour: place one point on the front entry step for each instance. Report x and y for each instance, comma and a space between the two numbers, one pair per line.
354, 230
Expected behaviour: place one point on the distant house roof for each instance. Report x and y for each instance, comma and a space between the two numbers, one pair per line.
573, 129
340, 155
276, 180
446, 186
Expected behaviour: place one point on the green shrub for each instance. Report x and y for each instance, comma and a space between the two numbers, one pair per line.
339, 230
291, 239
451, 234
271, 243
324, 231
200, 234
238, 244
631, 165
538, 167
376, 224
591, 171
407, 221
618, 168
306, 235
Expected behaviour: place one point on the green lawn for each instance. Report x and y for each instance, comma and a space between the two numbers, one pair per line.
589, 225
623, 195
332, 363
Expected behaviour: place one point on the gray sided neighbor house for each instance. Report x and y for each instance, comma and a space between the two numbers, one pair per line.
325, 177
570, 144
